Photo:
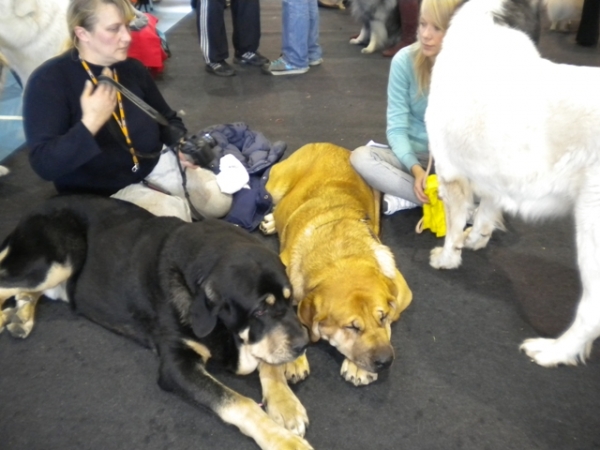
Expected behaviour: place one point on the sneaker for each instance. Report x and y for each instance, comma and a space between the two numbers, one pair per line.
221, 69
251, 59
281, 67
315, 62
391, 204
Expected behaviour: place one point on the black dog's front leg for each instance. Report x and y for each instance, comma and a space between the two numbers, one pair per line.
182, 371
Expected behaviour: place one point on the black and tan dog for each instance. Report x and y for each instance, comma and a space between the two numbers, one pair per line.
345, 280
189, 291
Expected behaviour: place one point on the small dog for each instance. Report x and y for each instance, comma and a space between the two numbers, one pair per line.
189, 291
562, 12
521, 133
345, 280
380, 24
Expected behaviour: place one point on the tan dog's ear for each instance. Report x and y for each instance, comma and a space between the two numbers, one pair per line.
307, 314
403, 295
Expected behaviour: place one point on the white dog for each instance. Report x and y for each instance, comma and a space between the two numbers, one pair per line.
562, 12
32, 31
522, 134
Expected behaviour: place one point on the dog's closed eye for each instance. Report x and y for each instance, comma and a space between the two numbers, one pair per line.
354, 327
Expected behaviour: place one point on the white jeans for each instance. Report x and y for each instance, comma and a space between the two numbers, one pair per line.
205, 195
382, 170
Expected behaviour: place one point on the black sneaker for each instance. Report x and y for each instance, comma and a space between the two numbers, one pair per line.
251, 59
221, 69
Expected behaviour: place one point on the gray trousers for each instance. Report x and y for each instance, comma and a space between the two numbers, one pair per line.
382, 170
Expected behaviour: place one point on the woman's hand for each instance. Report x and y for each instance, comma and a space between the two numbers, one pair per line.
97, 105
185, 161
419, 185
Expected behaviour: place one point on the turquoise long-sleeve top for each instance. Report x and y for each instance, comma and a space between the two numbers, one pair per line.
406, 133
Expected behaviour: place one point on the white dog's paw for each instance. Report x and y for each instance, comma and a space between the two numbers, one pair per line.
267, 226
355, 41
368, 50
475, 241
440, 259
355, 375
4, 171
553, 352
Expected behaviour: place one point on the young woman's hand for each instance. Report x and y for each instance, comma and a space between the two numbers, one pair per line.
419, 185
97, 105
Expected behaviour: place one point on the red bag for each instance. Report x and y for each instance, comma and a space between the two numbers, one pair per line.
146, 46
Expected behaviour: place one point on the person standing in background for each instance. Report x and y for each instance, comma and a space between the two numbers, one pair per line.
409, 20
210, 24
300, 47
589, 26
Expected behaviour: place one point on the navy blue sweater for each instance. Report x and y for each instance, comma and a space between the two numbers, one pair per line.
63, 150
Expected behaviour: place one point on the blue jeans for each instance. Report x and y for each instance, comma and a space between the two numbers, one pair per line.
300, 32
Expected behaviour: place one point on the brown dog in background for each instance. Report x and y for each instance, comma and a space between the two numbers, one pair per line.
344, 279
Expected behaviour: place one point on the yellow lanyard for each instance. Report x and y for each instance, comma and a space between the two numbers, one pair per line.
121, 120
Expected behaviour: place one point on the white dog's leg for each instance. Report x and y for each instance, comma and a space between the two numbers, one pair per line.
362, 37
487, 218
458, 197
575, 344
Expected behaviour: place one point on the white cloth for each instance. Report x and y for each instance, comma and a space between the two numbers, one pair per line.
202, 187
232, 176
167, 177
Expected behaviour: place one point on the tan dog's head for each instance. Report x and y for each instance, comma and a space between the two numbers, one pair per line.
355, 313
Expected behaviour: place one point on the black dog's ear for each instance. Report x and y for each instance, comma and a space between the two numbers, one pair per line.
204, 310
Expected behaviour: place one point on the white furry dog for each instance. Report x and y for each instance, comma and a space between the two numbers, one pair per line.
31, 31
562, 12
522, 134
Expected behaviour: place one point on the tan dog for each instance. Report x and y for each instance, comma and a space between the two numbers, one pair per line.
345, 281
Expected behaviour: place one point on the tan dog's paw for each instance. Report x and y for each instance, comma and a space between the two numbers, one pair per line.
297, 370
267, 226
284, 408
355, 375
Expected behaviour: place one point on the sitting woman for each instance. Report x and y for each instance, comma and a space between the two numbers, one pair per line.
86, 138
399, 172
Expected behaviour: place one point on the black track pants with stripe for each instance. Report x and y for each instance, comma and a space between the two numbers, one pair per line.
210, 22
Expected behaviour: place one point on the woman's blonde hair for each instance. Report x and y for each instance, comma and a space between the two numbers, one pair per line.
439, 12
82, 13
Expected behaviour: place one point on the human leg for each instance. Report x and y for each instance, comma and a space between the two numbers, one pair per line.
588, 32
245, 15
315, 52
212, 36
409, 20
382, 170
295, 31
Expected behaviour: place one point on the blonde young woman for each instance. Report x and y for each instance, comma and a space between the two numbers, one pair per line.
67, 115
399, 171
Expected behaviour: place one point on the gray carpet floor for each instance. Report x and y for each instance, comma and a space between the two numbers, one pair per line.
458, 382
